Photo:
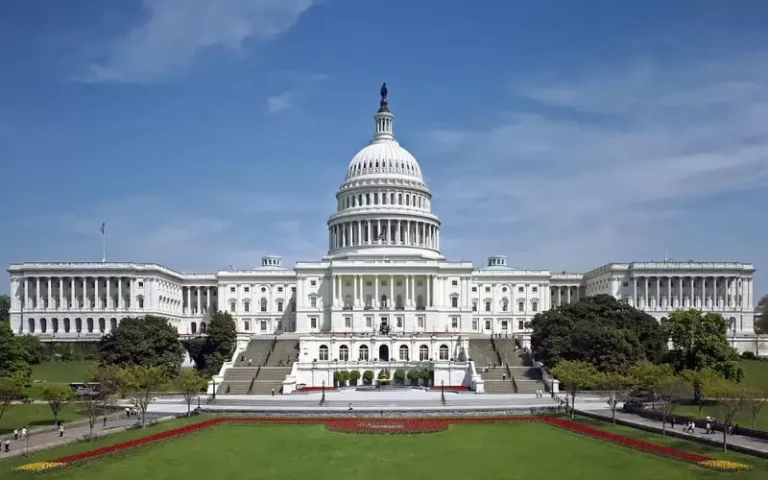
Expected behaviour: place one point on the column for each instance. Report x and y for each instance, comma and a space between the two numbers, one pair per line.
567, 296
120, 301
669, 292
96, 303
208, 300
200, 300
397, 232
559, 297
749, 293
355, 292
61, 292
72, 293
108, 302
430, 281
359, 232
658, 293
646, 286
48, 293
37, 292
27, 300
693, 292
376, 292
391, 300
634, 292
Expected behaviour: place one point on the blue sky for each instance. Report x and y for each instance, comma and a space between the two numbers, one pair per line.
207, 134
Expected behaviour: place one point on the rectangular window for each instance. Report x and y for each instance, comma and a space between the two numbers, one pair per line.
263, 325
280, 306
520, 306
487, 324
520, 289
420, 321
368, 322
246, 306
474, 289
535, 306
279, 289
246, 324
399, 322
232, 306
232, 289
454, 302
474, 324
534, 289
246, 289
455, 283
521, 324
313, 283
487, 306
348, 322
454, 322
313, 302
487, 289
141, 284
293, 289
474, 306
312, 322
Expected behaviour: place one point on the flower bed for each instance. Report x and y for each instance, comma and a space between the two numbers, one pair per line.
406, 426
315, 389
393, 426
452, 388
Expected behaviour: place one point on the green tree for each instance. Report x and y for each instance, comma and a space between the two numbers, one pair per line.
757, 398
5, 309
761, 318
599, 330
732, 399
671, 390
191, 384
36, 351
700, 341
10, 391
615, 389
575, 376
649, 375
220, 343
57, 397
700, 381
143, 382
149, 341
13, 358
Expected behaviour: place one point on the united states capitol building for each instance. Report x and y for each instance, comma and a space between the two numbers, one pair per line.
382, 293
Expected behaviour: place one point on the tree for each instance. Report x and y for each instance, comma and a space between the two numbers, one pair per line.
94, 401
756, 400
700, 381
57, 397
36, 351
191, 384
761, 323
210, 352
13, 358
599, 330
615, 389
671, 390
576, 376
732, 399
142, 381
648, 376
10, 391
700, 341
150, 341
5, 309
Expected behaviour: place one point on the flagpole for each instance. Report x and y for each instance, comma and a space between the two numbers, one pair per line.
103, 244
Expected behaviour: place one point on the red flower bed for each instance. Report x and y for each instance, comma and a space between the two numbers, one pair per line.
398, 426
315, 389
453, 388
632, 443
390, 426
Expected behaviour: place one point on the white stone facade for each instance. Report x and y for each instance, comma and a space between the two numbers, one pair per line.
383, 267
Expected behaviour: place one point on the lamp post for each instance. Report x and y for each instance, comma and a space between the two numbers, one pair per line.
442, 392
214, 388
322, 398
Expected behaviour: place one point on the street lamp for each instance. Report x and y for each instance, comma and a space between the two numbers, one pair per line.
322, 399
442, 392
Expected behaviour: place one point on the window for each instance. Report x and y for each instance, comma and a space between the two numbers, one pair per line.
368, 322
141, 284
474, 324
263, 289
246, 324
348, 322
487, 306
279, 289
474, 289
420, 321
231, 289
474, 306
279, 305
313, 302
246, 289
454, 322
443, 352
520, 306
534, 306
363, 353
626, 284
487, 324
313, 283
403, 353
455, 283
504, 305
263, 305
293, 289
454, 302
246, 306
263, 325
312, 322
487, 289
521, 324
423, 352
344, 353
520, 289
323, 357
141, 301
534, 289
399, 322
232, 306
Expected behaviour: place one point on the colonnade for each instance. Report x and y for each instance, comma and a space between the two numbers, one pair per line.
697, 291
384, 232
564, 295
198, 299
383, 297
80, 293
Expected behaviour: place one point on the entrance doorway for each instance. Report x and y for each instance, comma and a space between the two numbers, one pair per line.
384, 353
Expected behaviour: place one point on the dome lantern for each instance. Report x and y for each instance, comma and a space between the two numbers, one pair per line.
384, 121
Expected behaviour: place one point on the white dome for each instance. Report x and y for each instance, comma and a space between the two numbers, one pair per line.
384, 158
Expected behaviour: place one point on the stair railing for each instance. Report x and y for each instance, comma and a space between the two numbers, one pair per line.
250, 387
514, 383
496, 351
271, 349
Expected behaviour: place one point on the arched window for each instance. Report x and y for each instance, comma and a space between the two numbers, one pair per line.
733, 323
344, 353
203, 327
504, 305
443, 352
384, 301
31, 325
43, 325
323, 353
112, 324
89, 325
399, 302
66, 325
78, 325
363, 353
193, 328
404, 353
263, 305
246, 305
233, 305
102, 325
55, 325
140, 299
423, 353
487, 305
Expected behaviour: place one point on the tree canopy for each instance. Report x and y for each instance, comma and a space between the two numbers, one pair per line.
210, 352
5, 309
761, 324
599, 330
14, 361
150, 341
699, 340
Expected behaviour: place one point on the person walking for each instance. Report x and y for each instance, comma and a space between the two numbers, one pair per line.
7, 445
61, 431
23, 433
15, 434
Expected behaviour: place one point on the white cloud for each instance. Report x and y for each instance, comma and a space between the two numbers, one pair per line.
589, 178
176, 31
280, 103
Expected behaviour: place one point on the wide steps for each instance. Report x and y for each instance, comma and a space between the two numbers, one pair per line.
284, 354
499, 386
256, 352
240, 374
482, 352
273, 373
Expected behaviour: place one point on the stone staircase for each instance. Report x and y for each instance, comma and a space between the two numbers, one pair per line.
520, 376
276, 358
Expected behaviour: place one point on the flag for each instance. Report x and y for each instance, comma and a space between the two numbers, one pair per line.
103, 227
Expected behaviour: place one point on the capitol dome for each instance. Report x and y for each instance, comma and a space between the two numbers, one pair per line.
384, 207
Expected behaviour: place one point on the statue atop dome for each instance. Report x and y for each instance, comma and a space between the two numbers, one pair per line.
383, 107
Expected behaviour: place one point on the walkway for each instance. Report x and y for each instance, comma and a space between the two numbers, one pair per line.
73, 432
759, 447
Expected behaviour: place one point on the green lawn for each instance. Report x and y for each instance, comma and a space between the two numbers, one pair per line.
35, 415
501, 451
62, 372
756, 373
